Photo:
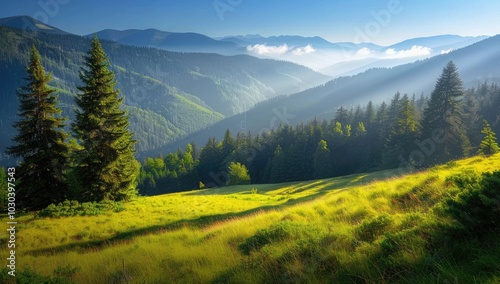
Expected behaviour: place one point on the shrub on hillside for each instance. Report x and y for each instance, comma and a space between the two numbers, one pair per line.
477, 206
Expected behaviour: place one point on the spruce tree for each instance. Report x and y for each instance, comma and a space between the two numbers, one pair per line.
106, 167
210, 161
322, 164
278, 166
442, 124
489, 145
401, 140
40, 141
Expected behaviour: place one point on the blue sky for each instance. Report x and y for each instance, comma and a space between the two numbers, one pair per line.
378, 21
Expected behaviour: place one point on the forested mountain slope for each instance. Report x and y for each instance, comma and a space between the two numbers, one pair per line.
168, 94
476, 64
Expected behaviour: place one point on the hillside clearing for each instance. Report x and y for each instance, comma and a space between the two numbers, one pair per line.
312, 231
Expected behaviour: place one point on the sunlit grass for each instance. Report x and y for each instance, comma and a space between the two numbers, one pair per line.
338, 228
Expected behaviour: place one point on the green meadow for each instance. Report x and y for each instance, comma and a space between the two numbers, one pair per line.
382, 227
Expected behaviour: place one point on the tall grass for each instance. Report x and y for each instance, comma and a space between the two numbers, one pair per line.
366, 228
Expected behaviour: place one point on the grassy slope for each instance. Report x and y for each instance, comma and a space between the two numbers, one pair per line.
324, 229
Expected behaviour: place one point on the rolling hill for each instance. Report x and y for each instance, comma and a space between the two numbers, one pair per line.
381, 227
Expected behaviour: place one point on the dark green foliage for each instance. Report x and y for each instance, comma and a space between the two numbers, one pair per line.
404, 130
476, 206
3, 190
278, 166
210, 162
443, 116
106, 168
238, 174
322, 162
489, 144
40, 142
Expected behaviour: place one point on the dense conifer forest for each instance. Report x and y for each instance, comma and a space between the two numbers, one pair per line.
409, 133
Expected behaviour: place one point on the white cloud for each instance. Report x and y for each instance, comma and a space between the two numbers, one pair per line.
262, 49
304, 50
273, 50
414, 51
446, 51
365, 51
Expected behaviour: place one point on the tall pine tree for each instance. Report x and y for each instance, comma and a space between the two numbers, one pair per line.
40, 141
442, 122
106, 167
322, 164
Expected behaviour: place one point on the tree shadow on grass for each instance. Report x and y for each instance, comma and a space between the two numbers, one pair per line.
300, 186
198, 223
326, 186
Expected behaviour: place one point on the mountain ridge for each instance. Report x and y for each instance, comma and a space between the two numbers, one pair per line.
312, 51
30, 24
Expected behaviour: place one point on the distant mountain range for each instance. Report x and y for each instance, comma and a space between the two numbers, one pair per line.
178, 97
315, 52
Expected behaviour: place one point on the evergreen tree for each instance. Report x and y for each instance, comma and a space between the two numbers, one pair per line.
278, 167
342, 116
443, 119
489, 145
106, 167
403, 134
370, 114
228, 145
210, 161
322, 163
40, 141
